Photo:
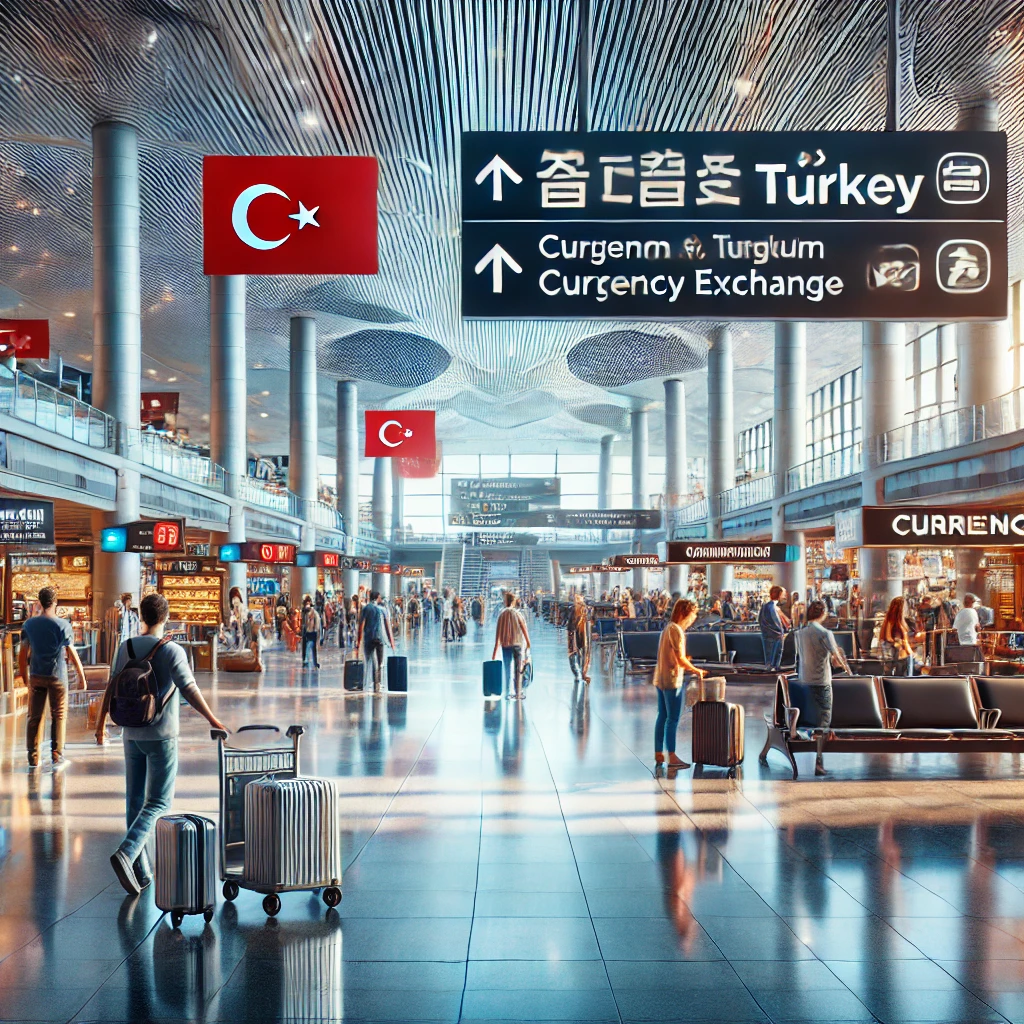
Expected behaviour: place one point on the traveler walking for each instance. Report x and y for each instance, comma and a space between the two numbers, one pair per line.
374, 629
310, 631
47, 644
773, 624
448, 622
897, 638
512, 636
151, 751
669, 679
817, 651
579, 640
967, 621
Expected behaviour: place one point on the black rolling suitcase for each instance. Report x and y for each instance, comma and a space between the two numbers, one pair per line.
492, 678
398, 673
717, 733
353, 674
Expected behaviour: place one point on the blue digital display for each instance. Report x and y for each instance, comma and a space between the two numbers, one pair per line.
230, 553
114, 538
305, 559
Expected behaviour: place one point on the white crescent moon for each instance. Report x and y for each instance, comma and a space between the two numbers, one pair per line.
240, 216
383, 439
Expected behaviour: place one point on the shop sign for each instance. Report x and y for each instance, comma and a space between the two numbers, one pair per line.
258, 569
848, 528
710, 552
637, 561
259, 552
198, 550
267, 586
147, 536
158, 405
408, 433
381, 568
26, 521
412, 570
734, 225
76, 563
578, 570
25, 339
289, 215
361, 564
936, 526
180, 567
588, 519
36, 561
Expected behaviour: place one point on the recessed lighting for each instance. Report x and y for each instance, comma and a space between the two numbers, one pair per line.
206, 417
264, 415
257, 366
310, 120
152, 37
264, 393
70, 191
35, 211
172, 380
14, 248
151, 372
70, 314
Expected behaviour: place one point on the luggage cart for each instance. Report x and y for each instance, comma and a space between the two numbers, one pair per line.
238, 767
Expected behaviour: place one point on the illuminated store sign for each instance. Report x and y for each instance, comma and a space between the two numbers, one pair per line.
26, 521
734, 225
709, 552
637, 561
149, 536
256, 551
953, 526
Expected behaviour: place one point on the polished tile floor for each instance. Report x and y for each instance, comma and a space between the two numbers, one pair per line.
521, 862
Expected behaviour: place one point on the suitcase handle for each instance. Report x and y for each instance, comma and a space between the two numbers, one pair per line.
246, 728
218, 734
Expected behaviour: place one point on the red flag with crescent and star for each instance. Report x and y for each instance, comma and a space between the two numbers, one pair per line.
289, 215
400, 433
26, 339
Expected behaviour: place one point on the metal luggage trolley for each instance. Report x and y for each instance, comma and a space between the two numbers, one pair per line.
238, 767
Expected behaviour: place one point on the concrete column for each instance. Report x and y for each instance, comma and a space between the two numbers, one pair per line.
883, 388
347, 480
228, 403
675, 472
117, 335
302, 439
721, 444
604, 495
381, 497
984, 362
556, 576
638, 427
397, 505
789, 438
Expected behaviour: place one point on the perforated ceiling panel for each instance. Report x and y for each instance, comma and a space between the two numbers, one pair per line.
400, 79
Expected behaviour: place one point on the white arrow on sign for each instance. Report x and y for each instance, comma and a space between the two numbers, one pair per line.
496, 256
497, 167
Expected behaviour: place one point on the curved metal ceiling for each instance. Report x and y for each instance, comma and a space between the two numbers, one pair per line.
400, 79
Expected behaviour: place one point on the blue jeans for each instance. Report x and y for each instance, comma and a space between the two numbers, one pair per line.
513, 659
670, 706
150, 767
772, 653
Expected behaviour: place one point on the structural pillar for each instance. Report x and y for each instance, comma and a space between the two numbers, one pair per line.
721, 445
397, 519
882, 359
347, 474
639, 437
604, 496
117, 337
556, 577
228, 401
302, 434
789, 439
381, 497
675, 472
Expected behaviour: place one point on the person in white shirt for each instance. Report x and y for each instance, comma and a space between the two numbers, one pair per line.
966, 622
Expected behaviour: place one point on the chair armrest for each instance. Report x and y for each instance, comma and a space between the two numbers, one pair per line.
792, 717
989, 717
891, 717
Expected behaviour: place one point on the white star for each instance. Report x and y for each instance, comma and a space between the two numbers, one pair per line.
305, 216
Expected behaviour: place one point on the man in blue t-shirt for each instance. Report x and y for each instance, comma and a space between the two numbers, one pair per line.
47, 643
374, 629
773, 624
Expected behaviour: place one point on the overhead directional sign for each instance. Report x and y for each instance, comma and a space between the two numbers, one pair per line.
735, 225
584, 519
510, 494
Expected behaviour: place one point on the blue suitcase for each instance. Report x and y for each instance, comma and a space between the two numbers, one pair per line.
492, 678
398, 673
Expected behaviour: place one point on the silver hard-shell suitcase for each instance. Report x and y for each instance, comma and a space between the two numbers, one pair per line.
186, 866
292, 835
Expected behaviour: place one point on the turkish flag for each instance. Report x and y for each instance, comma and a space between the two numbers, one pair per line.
419, 469
400, 433
289, 215
26, 339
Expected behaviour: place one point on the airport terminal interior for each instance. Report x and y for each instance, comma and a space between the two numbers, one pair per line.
511, 510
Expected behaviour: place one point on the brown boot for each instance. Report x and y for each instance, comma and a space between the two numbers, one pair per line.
675, 762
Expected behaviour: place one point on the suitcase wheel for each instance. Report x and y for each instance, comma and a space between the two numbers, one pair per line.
271, 904
332, 896
230, 891
176, 918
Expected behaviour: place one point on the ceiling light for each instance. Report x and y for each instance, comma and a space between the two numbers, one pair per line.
310, 120
151, 372
172, 380
35, 211
152, 37
70, 191
265, 394
206, 417
257, 366
70, 314
14, 248
264, 415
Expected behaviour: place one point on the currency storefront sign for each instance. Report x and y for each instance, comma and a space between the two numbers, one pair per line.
735, 225
637, 561
730, 553
938, 526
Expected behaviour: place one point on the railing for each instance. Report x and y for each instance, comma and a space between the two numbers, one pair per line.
271, 496
30, 400
162, 454
1000, 416
696, 512
750, 492
327, 516
826, 468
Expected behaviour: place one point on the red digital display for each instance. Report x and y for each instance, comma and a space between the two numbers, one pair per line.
328, 559
269, 554
166, 536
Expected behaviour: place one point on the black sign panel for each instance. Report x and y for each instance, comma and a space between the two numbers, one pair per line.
26, 521
938, 526
637, 561
583, 570
163, 536
735, 225
588, 519
516, 493
712, 552
180, 567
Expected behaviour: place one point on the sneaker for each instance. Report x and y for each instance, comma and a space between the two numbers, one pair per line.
659, 757
60, 761
125, 871
142, 870
33, 763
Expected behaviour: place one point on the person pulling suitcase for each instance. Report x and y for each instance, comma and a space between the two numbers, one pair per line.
140, 697
374, 629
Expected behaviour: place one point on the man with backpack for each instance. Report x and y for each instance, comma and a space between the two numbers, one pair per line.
142, 698
47, 644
